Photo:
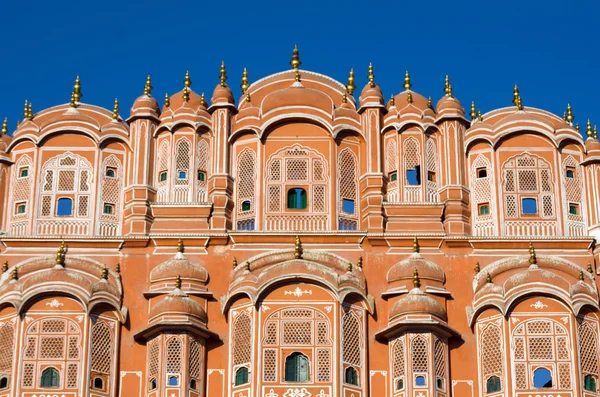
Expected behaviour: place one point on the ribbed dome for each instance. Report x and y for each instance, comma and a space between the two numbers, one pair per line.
404, 269
449, 105
222, 95
418, 100
417, 302
179, 266
533, 276
178, 303
371, 95
145, 104
104, 286
5, 140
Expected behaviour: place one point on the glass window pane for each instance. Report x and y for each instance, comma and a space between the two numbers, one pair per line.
529, 206
348, 206
413, 177
64, 207
542, 378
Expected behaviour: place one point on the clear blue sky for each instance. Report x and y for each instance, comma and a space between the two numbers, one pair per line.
550, 48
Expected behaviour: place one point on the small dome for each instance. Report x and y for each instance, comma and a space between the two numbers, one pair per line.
5, 140
178, 303
418, 100
404, 269
179, 266
104, 286
417, 302
535, 276
449, 105
145, 104
222, 94
371, 95
592, 145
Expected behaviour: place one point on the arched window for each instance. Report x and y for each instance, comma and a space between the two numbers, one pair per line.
493, 384
589, 383
202, 151
588, 353
412, 162
246, 187
482, 197
297, 198
152, 385
111, 188
4, 382
351, 376
432, 185
241, 376
50, 378
183, 164
391, 167
491, 355
153, 349
102, 351
110, 172
173, 381
193, 384
98, 383
399, 363
542, 378
162, 171
400, 384
420, 381
21, 191
64, 207
296, 368
573, 189
348, 190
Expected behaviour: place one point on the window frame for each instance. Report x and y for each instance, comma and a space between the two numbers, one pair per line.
160, 176
479, 170
240, 372
58, 200
297, 356
53, 371
22, 169
298, 193
110, 169
20, 204
537, 207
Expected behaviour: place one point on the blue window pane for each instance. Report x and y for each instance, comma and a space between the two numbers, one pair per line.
413, 177
182, 175
64, 207
529, 206
348, 206
347, 224
420, 381
542, 378
246, 224
173, 381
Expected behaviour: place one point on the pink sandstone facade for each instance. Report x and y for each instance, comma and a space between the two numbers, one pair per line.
298, 242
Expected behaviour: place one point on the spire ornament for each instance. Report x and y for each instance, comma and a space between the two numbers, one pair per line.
180, 248
60, 255
517, 98
447, 89
570, 116
187, 81
178, 282
148, 86
244, 86
429, 103
488, 279
26, 110
349, 267
115, 113
186, 94
73, 104
477, 268
77, 90
248, 98
118, 267
295, 61
5, 267
167, 101
298, 248
392, 101
345, 97
360, 262
5, 126
409, 98
202, 100
416, 247
532, 255
589, 131
577, 127
473, 113
247, 266
371, 76
15, 273
223, 75
407, 84
589, 268
350, 87
30, 111
581, 277
479, 117
595, 132
416, 279
104, 273
234, 263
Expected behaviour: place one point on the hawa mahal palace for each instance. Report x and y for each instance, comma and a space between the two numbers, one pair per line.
302, 241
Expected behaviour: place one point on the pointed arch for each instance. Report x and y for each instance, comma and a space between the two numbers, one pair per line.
182, 171
483, 197
348, 190
111, 197
246, 175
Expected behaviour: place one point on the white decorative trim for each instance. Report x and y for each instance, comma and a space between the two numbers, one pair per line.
297, 393
298, 292
54, 303
538, 305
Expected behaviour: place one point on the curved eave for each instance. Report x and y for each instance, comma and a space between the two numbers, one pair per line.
292, 116
174, 123
417, 325
162, 326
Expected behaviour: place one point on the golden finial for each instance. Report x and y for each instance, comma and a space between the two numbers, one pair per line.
516, 96
115, 114
244, 85
148, 86
447, 86
416, 280
350, 87
186, 94
359, 263
295, 62
577, 127
180, 246
5, 267
235, 264
77, 90
297, 76
223, 75
581, 278
247, 265
167, 101
15, 273
371, 76
349, 266
104, 273
532, 255
429, 104
565, 115
488, 279
202, 100
473, 113
118, 267
5, 126
344, 98
570, 116
73, 104
595, 132
409, 97
416, 247
187, 81
178, 282
30, 111
477, 268
60, 254
450, 91
589, 268
298, 248
392, 102
589, 130
26, 110
248, 99
407, 83
479, 117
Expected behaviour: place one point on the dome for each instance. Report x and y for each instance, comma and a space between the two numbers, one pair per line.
179, 266
222, 94
417, 302
145, 104
5, 140
536, 276
449, 105
592, 145
404, 269
371, 95
104, 286
297, 96
178, 303
418, 100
